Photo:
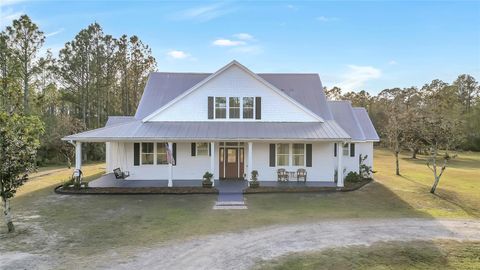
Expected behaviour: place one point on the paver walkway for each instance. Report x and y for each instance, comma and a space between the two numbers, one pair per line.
230, 194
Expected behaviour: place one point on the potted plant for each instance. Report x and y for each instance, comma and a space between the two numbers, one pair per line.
207, 180
254, 183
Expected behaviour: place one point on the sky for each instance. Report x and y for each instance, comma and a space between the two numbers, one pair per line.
356, 45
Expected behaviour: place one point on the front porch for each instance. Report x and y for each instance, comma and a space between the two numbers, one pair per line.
109, 180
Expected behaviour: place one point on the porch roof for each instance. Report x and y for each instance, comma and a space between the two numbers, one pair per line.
135, 130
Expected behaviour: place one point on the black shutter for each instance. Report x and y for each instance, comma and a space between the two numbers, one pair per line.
210, 107
174, 153
136, 154
352, 149
335, 149
258, 107
309, 155
209, 149
272, 155
194, 149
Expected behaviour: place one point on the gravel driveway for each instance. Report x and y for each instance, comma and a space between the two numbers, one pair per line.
242, 250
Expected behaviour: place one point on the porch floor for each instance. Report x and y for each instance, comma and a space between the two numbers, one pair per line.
225, 186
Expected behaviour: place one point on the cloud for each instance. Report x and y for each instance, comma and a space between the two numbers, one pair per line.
357, 76
243, 36
54, 33
292, 7
326, 19
5, 3
222, 42
8, 15
203, 13
176, 54
392, 62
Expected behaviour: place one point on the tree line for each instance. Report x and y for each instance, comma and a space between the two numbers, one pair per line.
94, 75
436, 119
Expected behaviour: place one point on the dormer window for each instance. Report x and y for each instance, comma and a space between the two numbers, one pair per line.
234, 107
248, 107
220, 107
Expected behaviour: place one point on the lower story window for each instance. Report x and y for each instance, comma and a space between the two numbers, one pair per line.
283, 152
298, 154
161, 154
147, 154
202, 149
345, 149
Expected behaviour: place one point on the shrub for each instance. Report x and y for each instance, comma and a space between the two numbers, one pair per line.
353, 177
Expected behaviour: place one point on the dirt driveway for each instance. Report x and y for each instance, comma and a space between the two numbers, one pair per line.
242, 250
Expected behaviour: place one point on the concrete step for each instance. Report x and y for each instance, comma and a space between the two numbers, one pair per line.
224, 205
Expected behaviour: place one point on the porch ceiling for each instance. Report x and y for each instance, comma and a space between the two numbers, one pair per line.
214, 131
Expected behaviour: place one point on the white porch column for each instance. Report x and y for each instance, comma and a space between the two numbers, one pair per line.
78, 155
108, 156
340, 166
250, 160
170, 167
212, 161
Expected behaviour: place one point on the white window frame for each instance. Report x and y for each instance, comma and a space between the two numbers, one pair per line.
288, 155
304, 155
196, 149
347, 154
227, 108
240, 116
215, 107
154, 154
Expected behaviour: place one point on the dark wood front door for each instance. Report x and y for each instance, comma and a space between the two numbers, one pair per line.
231, 163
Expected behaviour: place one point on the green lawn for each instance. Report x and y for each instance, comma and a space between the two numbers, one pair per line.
74, 224
391, 255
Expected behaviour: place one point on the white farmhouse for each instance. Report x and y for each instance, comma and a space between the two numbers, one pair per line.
232, 122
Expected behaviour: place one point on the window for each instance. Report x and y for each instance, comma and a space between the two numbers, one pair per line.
147, 154
161, 154
221, 107
298, 154
234, 107
248, 107
345, 149
202, 149
283, 152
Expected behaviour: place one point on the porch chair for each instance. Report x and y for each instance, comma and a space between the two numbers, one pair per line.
119, 174
302, 173
282, 175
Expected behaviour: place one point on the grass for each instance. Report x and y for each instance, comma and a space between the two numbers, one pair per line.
458, 191
72, 224
390, 255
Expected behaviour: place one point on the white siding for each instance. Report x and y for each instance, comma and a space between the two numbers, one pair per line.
193, 167
234, 82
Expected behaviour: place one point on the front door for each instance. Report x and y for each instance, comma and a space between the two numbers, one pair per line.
231, 166
231, 163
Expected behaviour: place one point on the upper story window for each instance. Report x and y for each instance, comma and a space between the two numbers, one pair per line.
248, 107
147, 154
221, 107
234, 107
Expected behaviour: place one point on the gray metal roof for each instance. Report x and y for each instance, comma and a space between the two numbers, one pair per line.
114, 120
366, 124
343, 114
163, 87
212, 130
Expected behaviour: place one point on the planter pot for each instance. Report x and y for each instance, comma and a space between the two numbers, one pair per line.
207, 184
254, 184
